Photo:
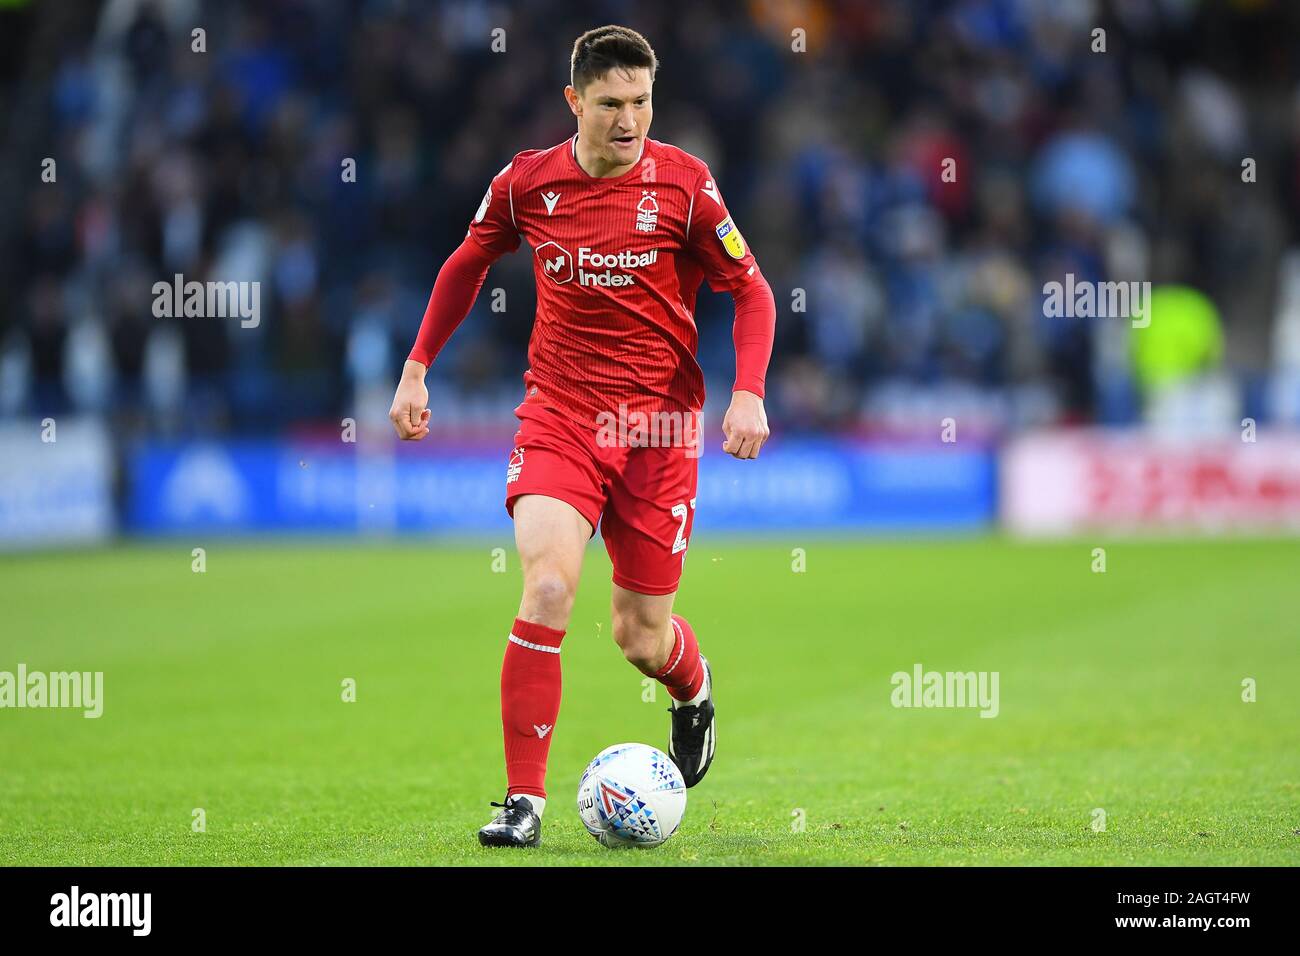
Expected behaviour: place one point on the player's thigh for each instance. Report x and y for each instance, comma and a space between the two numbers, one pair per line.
648, 520
554, 493
550, 533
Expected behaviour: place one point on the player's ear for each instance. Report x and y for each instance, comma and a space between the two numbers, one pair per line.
574, 101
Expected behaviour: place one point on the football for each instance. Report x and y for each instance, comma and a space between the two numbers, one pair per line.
631, 795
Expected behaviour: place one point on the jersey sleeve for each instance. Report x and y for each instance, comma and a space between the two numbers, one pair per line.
454, 292
493, 226
714, 240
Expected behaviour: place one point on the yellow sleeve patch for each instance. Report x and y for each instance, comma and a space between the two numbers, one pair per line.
731, 239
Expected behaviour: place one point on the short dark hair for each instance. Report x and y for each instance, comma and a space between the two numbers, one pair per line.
598, 51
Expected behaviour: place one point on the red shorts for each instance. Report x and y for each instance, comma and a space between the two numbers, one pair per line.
643, 498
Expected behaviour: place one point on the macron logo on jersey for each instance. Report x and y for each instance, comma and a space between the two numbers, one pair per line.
711, 191
550, 198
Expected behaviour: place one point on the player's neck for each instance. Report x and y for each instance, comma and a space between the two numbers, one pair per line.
593, 164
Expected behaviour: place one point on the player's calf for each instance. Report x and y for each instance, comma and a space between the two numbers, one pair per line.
530, 704
689, 682
663, 645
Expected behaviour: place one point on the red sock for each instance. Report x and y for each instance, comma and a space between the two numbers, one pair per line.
682, 675
530, 702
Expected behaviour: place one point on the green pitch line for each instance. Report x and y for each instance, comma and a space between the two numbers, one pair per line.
1119, 694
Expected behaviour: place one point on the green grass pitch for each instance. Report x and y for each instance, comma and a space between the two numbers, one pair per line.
1119, 691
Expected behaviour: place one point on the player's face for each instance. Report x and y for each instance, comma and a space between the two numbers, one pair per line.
615, 114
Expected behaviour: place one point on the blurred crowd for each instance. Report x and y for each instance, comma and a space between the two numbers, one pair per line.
909, 172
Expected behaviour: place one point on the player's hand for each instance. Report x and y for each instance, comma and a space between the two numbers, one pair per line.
744, 426
410, 414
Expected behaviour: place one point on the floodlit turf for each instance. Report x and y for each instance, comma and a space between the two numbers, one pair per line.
1119, 692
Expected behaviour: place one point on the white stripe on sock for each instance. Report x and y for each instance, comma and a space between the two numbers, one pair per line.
681, 639
534, 647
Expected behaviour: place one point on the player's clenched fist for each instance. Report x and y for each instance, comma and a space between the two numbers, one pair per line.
409, 413
744, 426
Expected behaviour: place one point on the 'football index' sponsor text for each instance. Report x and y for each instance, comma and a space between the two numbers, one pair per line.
627, 259
83, 690
923, 688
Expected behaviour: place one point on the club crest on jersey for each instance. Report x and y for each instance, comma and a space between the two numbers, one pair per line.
647, 211
516, 465
731, 240
557, 264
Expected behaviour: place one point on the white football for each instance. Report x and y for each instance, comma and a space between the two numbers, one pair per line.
631, 795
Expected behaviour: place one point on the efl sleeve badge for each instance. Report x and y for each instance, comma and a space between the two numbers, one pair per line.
731, 240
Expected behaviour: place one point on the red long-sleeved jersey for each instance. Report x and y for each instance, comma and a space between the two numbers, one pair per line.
617, 262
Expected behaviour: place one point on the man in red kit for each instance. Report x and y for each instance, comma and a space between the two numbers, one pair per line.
623, 230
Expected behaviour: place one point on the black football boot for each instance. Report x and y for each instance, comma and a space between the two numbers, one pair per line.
693, 734
516, 825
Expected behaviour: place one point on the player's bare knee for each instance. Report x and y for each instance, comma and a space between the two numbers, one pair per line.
548, 598
642, 652
641, 641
